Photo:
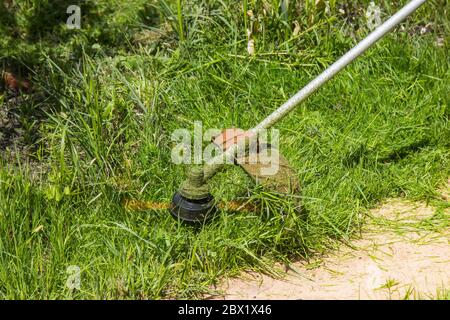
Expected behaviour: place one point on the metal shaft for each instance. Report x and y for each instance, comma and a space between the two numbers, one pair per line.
332, 70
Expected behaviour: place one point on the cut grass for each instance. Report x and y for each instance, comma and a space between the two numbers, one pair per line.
379, 129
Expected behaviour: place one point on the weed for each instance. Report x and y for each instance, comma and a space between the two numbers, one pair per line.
108, 105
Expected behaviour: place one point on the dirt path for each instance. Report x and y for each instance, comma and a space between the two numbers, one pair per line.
399, 255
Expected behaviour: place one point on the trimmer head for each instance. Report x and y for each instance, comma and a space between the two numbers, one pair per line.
193, 202
193, 211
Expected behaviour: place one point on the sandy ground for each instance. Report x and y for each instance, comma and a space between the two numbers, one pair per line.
397, 256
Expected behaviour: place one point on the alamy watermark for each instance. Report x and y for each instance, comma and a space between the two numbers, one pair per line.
251, 149
373, 16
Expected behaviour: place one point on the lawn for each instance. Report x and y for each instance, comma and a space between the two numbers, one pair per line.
95, 130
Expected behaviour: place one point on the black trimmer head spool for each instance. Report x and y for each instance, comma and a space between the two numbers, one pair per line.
193, 211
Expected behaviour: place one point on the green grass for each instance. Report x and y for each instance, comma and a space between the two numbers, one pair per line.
107, 98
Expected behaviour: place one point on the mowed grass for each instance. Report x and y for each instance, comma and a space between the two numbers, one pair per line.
110, 102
